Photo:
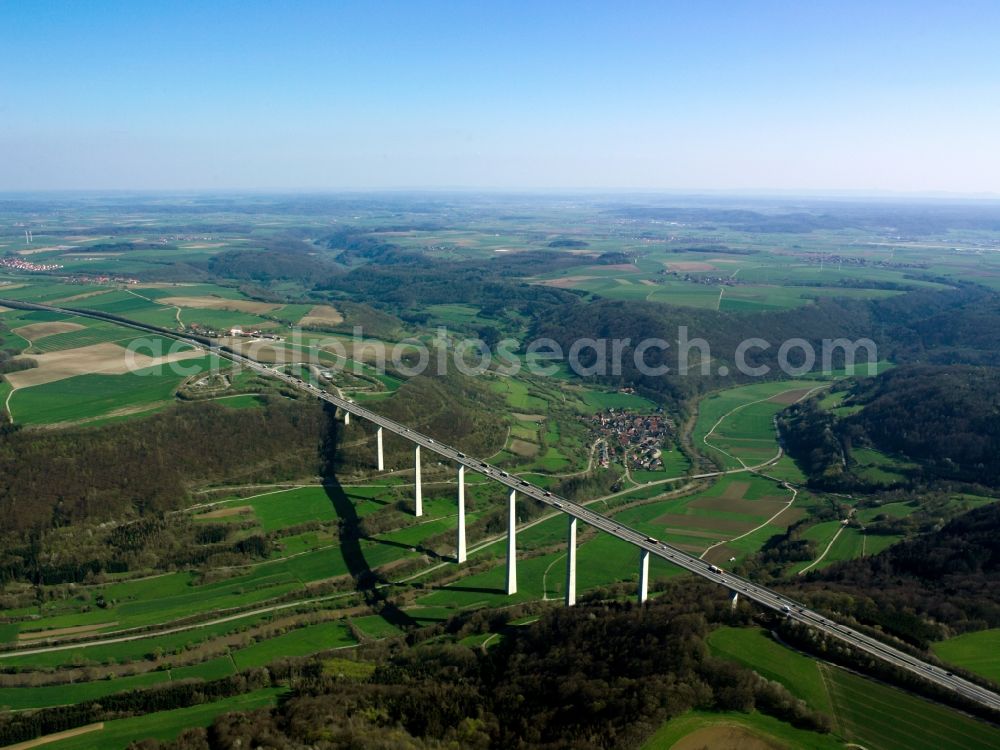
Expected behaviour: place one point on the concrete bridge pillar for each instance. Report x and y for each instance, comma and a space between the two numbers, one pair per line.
734, 597
381, 456
512, 544
418, 491
571, 564
643, 575
461, 553
347, 417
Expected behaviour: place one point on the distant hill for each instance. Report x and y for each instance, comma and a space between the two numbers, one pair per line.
958, 326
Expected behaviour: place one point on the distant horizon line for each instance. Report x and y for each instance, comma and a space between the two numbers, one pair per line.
757, 193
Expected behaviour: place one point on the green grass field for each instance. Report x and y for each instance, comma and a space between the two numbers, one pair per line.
878, 468
127, 650
301, 642
242, 401
375, 626
163, 725
978, 652
603, 400
87, 396
869, 713
766, 728
737, 423
59, 695
754, 648
878, 716
277, 510
823, 534
213, 669
94, 332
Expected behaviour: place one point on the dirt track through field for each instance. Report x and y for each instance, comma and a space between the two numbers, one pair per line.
84, 295
48, 738
227, 512
34, 635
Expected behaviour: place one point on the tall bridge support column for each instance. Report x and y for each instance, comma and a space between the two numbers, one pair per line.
418, 490
512, 543
347, 417
571, 564
734, 597
381, 455
643, 575
461, 555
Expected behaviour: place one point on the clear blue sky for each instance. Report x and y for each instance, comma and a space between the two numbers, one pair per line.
674, 95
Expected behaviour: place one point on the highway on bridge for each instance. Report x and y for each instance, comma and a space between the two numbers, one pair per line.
740, 586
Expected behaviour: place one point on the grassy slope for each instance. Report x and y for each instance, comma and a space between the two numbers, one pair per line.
766, 727
164, 725
754, 648
301, 642
879, 716
86, 396
869, 713
978, 652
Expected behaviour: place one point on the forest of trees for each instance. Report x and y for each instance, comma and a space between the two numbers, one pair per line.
943, 417
947, 418
78, 475
591, 676
266, 266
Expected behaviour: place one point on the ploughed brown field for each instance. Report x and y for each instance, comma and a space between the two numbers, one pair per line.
322, 315
690, 265
724, 737
789, 397
220, 303
37, 331
106, 358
